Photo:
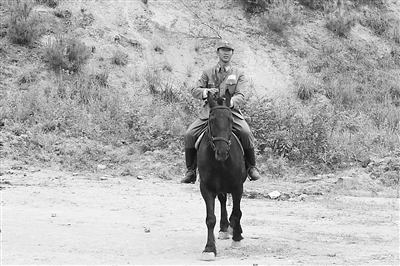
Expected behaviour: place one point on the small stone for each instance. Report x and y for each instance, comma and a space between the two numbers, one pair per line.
344, 179
104, 177
146, 230
315, 178
74, 174
274, 194
285, 196
101, 166
140, 177
312, 190
303, 197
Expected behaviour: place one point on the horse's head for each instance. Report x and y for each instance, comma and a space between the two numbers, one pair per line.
220, 125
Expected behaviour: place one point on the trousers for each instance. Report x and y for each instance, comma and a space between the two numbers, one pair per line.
239, 127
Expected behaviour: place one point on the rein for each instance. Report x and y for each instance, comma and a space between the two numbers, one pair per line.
211, 137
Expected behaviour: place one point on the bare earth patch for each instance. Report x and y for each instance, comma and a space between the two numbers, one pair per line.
54, 217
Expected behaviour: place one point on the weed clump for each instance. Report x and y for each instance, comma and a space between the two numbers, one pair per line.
289, 133
376, 21
313, 4
66, 53
119, 58
253, 7
50, 3
24, 27
281, 14
340, 24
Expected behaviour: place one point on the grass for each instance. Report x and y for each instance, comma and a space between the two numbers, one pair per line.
66, 53
340, 24
50, 3
281, 14
119, 58
24, 27
376, 21
359, 114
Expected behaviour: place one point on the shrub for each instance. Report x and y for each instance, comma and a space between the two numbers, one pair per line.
253, 7
373, 3
50, 3
281, 14
23, 27
313, 4
306, 89
162, 87
340, 24
289, 133
395, 32
66, 53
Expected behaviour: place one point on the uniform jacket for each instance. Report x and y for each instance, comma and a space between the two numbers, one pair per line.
232, 79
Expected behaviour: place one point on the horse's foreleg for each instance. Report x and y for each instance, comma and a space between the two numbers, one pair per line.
209, 199
224, 223
236, 215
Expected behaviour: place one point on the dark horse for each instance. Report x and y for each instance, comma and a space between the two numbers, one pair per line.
222, 170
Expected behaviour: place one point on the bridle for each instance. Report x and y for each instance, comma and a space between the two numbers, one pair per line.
211, 137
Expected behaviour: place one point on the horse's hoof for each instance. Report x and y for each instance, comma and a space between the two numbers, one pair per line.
230, 230
237, 244
208, 256
223, 235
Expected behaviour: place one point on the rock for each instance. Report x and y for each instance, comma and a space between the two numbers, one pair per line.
105, 177
126, 172
284, 196
140, 177
274, 194
344, 179
312, 190
315, 178
390, 178
101, 166
303, 197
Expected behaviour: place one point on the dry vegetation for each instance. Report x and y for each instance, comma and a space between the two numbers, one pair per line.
60, 111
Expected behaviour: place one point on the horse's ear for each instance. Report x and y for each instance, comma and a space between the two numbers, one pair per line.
228, 98
210, 100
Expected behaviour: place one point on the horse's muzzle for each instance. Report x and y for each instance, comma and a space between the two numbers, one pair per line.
221, 155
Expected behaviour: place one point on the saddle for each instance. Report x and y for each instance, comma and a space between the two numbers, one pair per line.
197, 144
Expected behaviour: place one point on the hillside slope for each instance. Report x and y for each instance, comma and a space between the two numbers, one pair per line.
170, 42
186, 33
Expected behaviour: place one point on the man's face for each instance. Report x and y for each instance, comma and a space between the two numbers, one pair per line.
225, 54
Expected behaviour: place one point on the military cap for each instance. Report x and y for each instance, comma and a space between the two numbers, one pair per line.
224, 44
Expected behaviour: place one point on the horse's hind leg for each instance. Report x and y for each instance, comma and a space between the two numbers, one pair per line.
210, 250
224, 223
235, 217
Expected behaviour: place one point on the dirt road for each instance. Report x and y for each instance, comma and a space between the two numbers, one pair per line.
53, 217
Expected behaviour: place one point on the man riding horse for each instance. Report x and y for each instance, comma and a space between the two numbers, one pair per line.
217, 80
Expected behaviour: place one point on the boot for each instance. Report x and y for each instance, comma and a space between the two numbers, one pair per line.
191, 164
250, 159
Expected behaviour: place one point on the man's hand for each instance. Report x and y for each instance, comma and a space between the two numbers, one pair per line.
213, 91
